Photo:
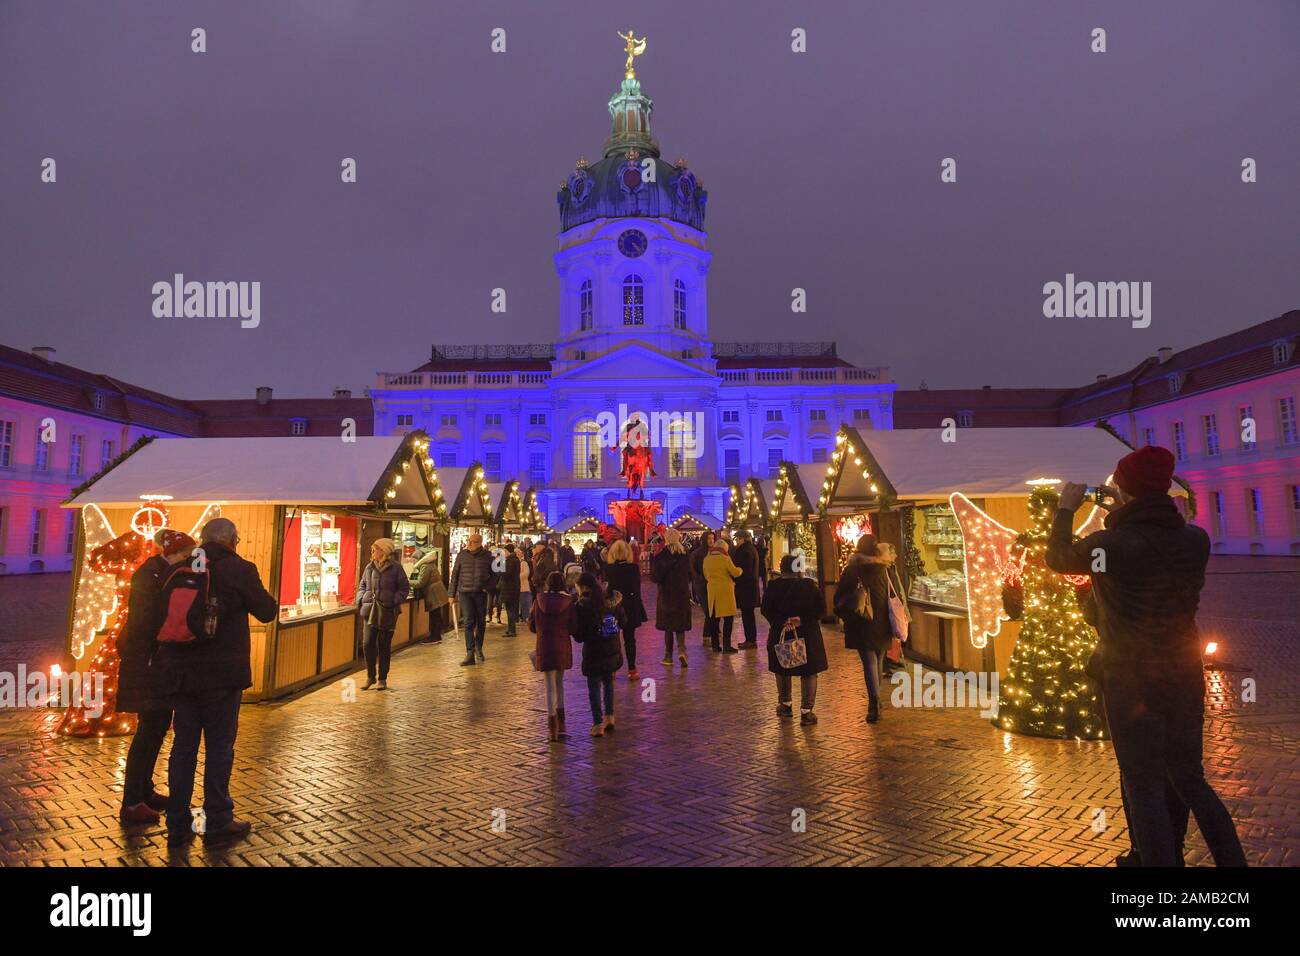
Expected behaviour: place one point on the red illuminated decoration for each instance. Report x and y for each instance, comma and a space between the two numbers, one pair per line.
120, 558
638, 459
636, 519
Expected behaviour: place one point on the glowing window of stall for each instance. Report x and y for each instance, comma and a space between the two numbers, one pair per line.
318, 569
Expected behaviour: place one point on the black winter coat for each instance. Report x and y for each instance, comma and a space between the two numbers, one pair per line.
672, 573
625, 578
876, 634
221, 663
795, 596
389, 586
1146, 599
139, 644
509, 586
745, 557
601, 656
697, 575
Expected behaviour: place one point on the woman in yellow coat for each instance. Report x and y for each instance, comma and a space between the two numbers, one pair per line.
719, 575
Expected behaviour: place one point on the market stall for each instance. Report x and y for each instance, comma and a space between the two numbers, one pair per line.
470, 509
307, 510
508, 516
793, 519
534, 521
579, 529
902, 485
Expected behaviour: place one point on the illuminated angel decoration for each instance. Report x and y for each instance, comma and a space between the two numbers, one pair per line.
101, 603
1044, 691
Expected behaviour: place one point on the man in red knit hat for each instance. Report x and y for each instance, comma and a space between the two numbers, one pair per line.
1147, 569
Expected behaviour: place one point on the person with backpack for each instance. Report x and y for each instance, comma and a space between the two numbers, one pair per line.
553, 621
624, 576
793, 606
204, 677
862, 603
598, 625
141, 803
671, 571
380, 593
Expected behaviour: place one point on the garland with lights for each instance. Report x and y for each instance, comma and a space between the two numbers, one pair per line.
126, 453
1045, 691
912, 557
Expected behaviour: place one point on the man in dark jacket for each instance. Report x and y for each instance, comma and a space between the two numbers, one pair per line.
1147, 569
508, 589
470, 578
205, 680
745, 557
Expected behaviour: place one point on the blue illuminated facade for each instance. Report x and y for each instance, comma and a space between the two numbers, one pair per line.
633, 344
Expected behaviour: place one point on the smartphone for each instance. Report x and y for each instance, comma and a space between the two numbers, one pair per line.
1099, 494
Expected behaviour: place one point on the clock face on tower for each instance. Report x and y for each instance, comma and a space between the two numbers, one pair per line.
632, 243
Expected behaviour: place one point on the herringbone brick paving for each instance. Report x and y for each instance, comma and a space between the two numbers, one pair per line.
699, 772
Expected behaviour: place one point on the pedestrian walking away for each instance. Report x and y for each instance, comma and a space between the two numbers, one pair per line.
553, 620
598, 623
793, 606
720, 579
671, 572
624, 576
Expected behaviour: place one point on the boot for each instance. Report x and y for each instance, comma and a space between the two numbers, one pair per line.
552, 731
560, 728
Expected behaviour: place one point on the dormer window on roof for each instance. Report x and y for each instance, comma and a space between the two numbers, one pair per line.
297, 426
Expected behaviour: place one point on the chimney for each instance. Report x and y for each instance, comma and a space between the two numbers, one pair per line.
988, 388
1102, 377
44, 352
1164, 354
264, 395
342, 393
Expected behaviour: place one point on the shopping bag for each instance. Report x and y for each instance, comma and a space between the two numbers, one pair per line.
791, 650
898, 616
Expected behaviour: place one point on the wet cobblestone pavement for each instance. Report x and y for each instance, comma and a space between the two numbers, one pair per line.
702, 773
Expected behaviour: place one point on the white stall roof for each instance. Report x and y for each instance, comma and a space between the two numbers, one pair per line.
990, 461
289, 470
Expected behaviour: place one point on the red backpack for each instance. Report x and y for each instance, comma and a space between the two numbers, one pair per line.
191, 610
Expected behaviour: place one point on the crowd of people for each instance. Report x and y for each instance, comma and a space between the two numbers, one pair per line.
594, 597
185, 649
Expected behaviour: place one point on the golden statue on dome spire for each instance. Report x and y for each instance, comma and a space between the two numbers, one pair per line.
634, 48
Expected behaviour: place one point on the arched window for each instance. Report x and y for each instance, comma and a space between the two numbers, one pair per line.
633, 300
679, 304
683, 449
586, 450
584, 306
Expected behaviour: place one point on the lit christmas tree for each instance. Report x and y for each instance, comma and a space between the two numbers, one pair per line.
1045, 691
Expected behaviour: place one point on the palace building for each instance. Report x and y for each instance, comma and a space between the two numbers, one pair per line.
632, 344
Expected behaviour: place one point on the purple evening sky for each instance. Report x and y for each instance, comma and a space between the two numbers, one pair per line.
822, 171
